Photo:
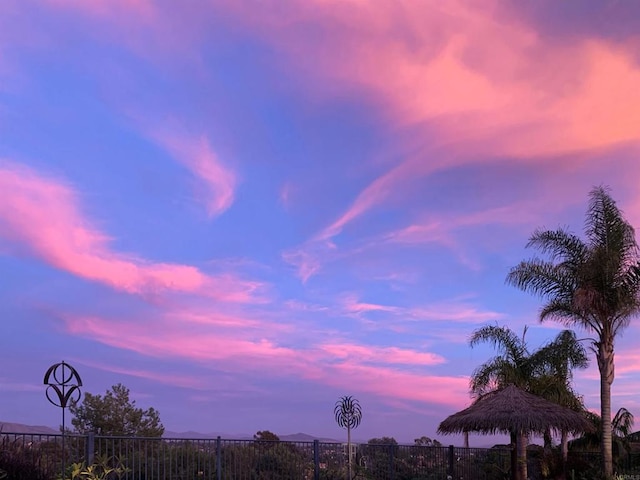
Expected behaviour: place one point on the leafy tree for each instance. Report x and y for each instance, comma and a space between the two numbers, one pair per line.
266, 435
114, 414
426, 442
594, 284
380, 456
265, 459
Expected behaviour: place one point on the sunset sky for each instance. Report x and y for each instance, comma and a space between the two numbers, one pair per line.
243, 210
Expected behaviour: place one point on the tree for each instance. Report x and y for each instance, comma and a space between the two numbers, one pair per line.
593, 284
348, 414
545, 372
425, 441
557, 360
266, 436
115, 414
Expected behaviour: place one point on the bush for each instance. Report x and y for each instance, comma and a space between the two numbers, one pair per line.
18, 461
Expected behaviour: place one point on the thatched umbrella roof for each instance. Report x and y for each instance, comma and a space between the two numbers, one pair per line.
514, 410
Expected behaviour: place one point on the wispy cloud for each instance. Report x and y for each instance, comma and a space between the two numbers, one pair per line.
367, 368
473, 82
380, 355
455, 310
181, 380
194, 151
42, 215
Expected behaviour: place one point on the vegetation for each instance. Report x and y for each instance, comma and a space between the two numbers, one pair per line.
24, 461
426, 442
545, 372
593, 284
104, 468
621, 429
266, 436
114, 414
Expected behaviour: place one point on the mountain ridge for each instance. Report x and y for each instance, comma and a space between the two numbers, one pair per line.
12, 427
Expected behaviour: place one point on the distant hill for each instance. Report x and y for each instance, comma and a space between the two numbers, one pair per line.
207, 436
9, 427
294, 437
303, 437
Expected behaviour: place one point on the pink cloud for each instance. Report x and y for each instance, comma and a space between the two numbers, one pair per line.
478, 76
102, 8
42, 215
353, 305
473, 80
358, 367
476, 81
437, 229
184, 381
306, 259
454, 313
195, 153
176, 340
388, 355
455, 310
429, 232
627, 362
391, 383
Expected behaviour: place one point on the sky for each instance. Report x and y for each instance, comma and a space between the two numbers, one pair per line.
244, 210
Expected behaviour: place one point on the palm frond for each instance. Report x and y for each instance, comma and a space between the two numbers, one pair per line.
559, 245
501, 338
542, 278
605, 225
622, 423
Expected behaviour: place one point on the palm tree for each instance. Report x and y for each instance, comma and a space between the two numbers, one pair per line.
557, 360
511, 366
593, 284
545, 372
348, 414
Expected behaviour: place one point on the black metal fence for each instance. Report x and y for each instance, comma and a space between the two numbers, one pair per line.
40, 457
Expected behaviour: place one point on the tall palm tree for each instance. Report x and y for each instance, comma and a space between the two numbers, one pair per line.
545, 372
593, 284
348, 414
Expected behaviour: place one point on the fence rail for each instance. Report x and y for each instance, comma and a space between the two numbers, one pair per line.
222, 459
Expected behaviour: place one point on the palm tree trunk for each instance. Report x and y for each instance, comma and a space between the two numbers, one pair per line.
605, 365
521, 448
564, 447
514, 455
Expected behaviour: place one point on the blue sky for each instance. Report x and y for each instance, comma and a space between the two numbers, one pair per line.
244, 210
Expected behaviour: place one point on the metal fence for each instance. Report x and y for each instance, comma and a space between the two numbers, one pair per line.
40, 457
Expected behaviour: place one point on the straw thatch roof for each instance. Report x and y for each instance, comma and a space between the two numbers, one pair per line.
511, 410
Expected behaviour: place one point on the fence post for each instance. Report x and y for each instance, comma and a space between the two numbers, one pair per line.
451, 458
89, 447
316, 460
218, 458
391, 475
